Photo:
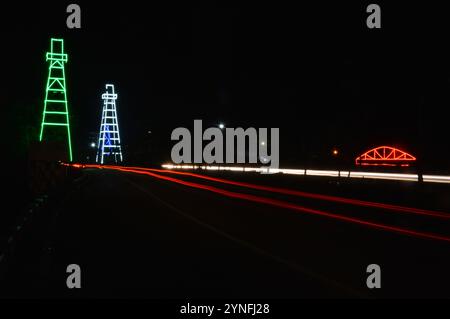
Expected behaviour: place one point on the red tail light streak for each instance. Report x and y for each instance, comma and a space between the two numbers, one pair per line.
283, 204
284, 191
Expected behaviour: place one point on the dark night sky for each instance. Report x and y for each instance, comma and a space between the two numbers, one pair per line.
314, 71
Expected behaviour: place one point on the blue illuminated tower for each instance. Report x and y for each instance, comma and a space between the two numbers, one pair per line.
109, 148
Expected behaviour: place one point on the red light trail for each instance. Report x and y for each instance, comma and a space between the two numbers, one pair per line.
284, 191
279, 203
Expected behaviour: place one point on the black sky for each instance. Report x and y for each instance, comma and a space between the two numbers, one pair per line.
314, 71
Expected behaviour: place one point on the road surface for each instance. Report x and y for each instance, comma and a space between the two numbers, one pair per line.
136, 236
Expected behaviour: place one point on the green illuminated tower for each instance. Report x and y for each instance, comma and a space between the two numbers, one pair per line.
55, 119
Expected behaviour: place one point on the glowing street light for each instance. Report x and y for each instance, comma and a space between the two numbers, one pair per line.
221, 126
335, 152
93, 145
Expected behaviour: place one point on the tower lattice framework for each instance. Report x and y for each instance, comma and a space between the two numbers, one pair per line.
56, 113
109, 147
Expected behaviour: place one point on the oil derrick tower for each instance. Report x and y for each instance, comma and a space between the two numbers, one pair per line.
55, 118
109, 149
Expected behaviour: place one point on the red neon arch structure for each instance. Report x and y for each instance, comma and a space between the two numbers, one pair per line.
385, 156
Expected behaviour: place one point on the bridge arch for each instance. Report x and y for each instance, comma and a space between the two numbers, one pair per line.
385, 156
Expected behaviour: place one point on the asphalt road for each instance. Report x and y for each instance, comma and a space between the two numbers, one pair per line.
136, 236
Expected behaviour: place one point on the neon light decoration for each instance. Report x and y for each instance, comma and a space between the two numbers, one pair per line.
109, 137
385, 156
56, 113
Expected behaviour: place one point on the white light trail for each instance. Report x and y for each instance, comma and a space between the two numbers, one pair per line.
308, 172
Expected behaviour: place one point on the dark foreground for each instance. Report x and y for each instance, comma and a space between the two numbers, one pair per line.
137, 236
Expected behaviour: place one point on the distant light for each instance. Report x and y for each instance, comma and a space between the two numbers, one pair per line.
221, 126
335, 152
149, 132
263, 143
92, 144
